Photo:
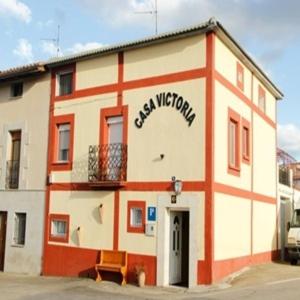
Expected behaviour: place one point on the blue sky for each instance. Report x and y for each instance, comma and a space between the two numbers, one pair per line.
268, 30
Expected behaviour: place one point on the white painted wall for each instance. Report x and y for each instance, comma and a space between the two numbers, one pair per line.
27, 258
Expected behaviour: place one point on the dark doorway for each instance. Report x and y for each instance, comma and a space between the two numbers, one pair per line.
185, 248
3, 220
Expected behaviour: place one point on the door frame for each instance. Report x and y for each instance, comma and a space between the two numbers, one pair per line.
185, 202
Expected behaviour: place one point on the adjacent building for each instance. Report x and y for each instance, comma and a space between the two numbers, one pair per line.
166, 148
288, 196
24, 119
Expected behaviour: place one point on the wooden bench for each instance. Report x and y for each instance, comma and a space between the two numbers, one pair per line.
112, 261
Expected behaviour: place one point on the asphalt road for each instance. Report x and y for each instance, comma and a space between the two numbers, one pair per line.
270, 281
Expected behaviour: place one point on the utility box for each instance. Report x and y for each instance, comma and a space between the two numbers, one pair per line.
150, 229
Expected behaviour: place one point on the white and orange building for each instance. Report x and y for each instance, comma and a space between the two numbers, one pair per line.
127, 122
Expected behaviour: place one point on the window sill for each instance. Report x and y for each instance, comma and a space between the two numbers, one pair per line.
15, 98
136, 229
61, 166
234, 170
58, 239
246, 160
64, 97
17, 246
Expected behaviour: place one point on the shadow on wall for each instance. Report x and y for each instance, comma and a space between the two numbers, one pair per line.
80, 169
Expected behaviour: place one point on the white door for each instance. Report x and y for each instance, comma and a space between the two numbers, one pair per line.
175, 246
115, 140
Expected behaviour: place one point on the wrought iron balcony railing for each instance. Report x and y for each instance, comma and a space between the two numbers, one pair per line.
107, 163
12, 174
284, 175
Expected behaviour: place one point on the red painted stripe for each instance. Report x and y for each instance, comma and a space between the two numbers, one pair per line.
209, 161
120, 77
243, 97
131, 186
222, 268
135, 84
116, 220
74, 261
233, 191
164, 79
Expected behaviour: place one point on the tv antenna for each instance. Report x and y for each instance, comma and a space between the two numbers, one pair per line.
152, 12
55, 40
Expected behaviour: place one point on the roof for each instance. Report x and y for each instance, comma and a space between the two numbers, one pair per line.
209, 26
21, 71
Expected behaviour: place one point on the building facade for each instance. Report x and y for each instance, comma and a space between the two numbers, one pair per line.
24, 118
128, 124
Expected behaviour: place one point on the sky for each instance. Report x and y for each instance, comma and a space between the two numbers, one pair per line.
268, 30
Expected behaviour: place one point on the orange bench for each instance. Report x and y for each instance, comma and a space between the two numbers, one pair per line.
112, 261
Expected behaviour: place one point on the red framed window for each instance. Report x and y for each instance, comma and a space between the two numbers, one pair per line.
59, 228
63, 142
109, 113
246, 141
240, 76
136, 212
233, 142
64, 81
261, 99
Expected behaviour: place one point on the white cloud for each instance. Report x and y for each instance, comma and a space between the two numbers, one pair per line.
289, 139
49, 48
16, 9
24, 50
271, 24
45, 24
78, 47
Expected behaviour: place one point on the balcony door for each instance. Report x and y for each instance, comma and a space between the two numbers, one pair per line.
13, 165
115, 142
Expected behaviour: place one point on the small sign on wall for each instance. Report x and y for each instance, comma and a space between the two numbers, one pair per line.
173, 199
151, 213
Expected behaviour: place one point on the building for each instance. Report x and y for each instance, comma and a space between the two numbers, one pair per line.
295, 167
288, 195
24, 119
130, 123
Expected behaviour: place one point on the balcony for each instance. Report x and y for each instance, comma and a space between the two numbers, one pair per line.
284, 175
107, 165
12, 174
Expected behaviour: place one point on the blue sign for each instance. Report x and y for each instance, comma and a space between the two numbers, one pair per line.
151, 213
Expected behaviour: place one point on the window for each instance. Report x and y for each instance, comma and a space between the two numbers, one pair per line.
233, 143
136, 216
16, 89
59, 228
13, 164
19, 229
65, 83
240, 76
63, 140
262, 99
245, 141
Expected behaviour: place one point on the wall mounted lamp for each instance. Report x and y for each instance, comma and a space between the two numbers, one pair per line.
177, 185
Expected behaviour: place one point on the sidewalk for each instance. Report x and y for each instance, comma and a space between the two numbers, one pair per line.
14, 286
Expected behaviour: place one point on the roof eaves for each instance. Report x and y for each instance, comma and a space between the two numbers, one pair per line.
22, 71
